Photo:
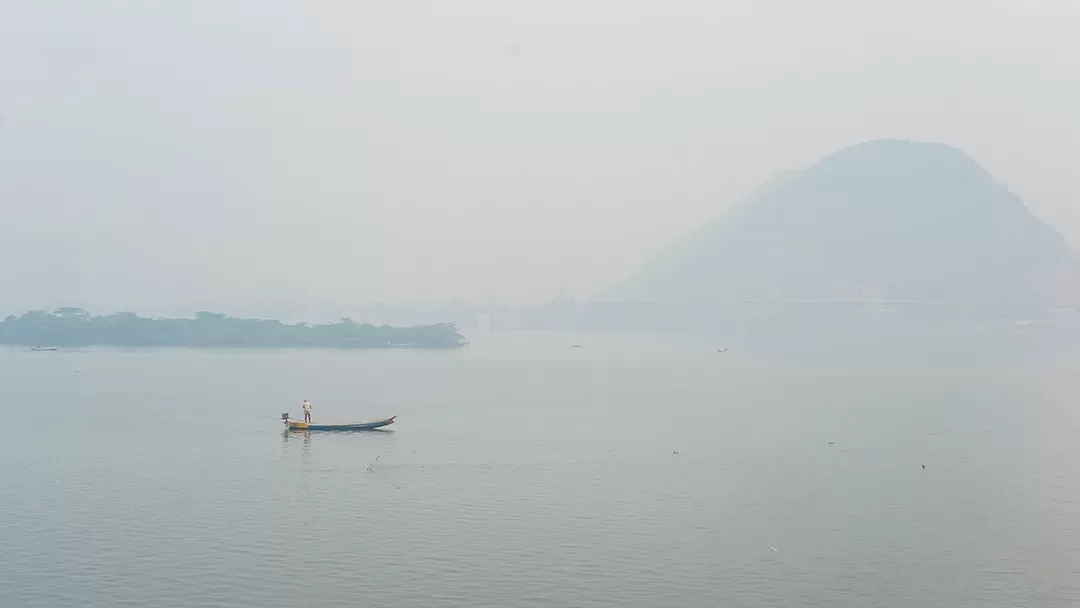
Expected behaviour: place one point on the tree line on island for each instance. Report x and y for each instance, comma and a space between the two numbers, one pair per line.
75, 327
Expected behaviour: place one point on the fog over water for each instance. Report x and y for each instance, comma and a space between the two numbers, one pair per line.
635, 471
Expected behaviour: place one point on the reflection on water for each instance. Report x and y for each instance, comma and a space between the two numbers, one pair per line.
304, 438
305, 448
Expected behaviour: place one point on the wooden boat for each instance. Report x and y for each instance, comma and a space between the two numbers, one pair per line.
370, 425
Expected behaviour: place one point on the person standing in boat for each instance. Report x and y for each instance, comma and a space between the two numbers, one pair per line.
307, 411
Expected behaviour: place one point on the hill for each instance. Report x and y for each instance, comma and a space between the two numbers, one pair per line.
882, 220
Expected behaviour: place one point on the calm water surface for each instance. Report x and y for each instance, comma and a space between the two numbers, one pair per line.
637, 471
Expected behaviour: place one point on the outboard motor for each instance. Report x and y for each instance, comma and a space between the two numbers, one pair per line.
285, 418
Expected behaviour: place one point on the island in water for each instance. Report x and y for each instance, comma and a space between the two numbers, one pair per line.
75, 327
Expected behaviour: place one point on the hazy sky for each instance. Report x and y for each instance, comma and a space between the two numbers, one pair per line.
160, 155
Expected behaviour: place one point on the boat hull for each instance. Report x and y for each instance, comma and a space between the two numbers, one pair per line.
370, 425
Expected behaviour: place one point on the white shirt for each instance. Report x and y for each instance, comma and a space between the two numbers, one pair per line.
307, 406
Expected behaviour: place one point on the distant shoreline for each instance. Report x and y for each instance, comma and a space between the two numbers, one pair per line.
76, 328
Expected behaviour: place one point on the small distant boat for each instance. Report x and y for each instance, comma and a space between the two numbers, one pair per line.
370, 425
576, 346
398, 345
44, 348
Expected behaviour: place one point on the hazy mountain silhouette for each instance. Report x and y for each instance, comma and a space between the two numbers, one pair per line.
886, 219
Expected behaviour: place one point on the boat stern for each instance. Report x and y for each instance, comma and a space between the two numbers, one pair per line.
292, 424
